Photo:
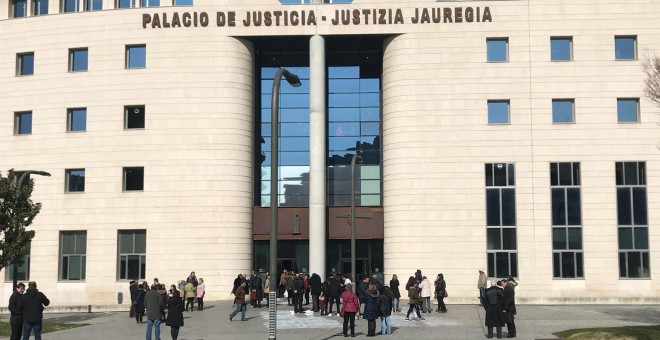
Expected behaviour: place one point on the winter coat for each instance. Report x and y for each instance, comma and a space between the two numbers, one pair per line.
494, 306
31, 304
394, 285
510, 299
256, 284
267, 286
440, 288
288, 282
361, 291
175, 312
133, 289
413, 295
315, 284
240, 295
237, 282
334, 288
384, 305
299, 285
201, 290
351, 303
483, 280
193, 280
139, 301
16, 315
371, 311
153, 302
426, 288
190, 290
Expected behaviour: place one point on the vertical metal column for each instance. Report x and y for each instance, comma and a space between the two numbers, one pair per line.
317, 156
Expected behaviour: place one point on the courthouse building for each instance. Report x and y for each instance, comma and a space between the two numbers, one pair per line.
509, 136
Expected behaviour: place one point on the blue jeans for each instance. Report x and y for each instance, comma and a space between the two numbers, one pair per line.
240, 307
156, 324
28, 326
385, 325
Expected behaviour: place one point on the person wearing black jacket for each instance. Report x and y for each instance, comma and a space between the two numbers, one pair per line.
510, 308
440, 289
315, 288
16, 319
394, 285
362, 293
298, 291
334, 290
31, 304
494, 306
175, 314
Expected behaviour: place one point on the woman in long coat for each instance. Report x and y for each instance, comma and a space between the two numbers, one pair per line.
139, 301
371, 311
267, 289
440, 289
394, 285
494, 306
175, 314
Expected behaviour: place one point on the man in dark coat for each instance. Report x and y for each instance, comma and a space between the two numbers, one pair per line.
362, 292
31, 304
133, 290
510, 309
153, 302
16, 319
334, 291
315, 288
494, 306
175, 314
298, 291
256, 286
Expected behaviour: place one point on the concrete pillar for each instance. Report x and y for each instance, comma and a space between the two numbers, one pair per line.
317, 156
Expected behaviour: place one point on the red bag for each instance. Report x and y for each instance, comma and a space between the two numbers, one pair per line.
253, 295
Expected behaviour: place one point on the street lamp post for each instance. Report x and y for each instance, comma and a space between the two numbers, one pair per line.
19, 182
274, 136
352, 219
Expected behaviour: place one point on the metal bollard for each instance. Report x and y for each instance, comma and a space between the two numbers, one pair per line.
272, 315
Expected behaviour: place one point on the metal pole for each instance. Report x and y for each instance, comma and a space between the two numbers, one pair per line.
352, 219
19, 182
274, 136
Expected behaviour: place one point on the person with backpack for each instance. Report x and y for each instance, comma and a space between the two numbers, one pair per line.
385, 306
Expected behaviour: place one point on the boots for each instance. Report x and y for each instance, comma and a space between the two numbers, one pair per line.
490, 333
499, 332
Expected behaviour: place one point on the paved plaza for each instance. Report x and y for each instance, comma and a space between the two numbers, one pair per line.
462, 322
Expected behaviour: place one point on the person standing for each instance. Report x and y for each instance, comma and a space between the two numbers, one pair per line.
282, 284
351, 307
190, 295
510, 307
298, 291
133, 290
201, 291
175, 313
315, 289
288, 285
396, 294
334, 291
494, 304
139, 301
16, 319
153, 302
241, 305
440, 292
426, 294
385, 307
31, 305
371, 311
255, 284
415, 301
193, 278
306, 289
361, 292
267, 290
482, 284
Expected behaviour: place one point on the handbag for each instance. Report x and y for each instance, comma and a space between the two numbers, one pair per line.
446, 295
131, 313
341, 312
253, 295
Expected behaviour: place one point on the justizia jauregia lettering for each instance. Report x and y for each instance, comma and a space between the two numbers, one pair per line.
368, 16
447, 14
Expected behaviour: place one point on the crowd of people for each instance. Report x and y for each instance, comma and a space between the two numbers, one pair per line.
499, 301
26, 308
162, 305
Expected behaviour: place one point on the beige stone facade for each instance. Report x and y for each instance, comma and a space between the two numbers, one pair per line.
197, 147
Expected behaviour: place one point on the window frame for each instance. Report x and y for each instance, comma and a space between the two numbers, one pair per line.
18, 118
634, 47
177, 4
89, 5
70, 117
575, 175
9, 270
14, 8
38, 7
128, 109
72, 59
142, 257
508, 109
509, 184
570, 48
506, 49
572, 102
67, 180
640, 183
83, 257
128, 56
125, 175
638, 115
20, 62
76, 5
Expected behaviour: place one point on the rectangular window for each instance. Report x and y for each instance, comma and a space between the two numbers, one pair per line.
23, 123
561, 48
498, 112
501, 220
183, 2
632, 220
75, 180
149, 3
136, 56
566, 220
627, 110
39, 7
19, 8
73, 255
93, 5
125, 3
78, 59
25, 64
563, 110
70, 6
22, 270
134, 117
497, 49
132, 261
134, 179
625, 47
76, 120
